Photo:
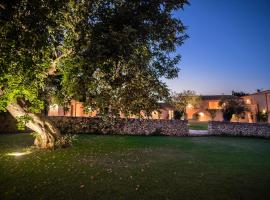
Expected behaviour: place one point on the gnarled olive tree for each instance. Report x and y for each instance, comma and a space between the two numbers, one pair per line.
108, 54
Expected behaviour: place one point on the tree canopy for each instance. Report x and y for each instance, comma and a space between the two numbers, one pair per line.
29, 35
232, 106
239, 94
186, 98
108, 54
212, 113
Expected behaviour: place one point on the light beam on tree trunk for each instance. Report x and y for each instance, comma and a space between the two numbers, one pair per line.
47, 132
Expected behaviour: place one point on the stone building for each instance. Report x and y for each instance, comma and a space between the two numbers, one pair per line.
256, 102
76, 109
200, 113
259, 101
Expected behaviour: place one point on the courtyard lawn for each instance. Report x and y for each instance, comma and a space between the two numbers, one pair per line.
195, 125
133, 167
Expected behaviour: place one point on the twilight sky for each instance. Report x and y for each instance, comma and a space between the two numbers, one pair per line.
228, 48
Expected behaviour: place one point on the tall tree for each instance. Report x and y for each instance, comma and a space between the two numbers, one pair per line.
239, 94
232, 106
108, 54
30, 31
126, 49
184, 99
212, 113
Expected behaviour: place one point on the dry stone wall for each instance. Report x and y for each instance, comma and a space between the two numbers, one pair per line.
77, 125
8, 124
239, 129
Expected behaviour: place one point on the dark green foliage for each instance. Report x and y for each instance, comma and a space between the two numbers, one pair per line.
261, 116
212, 112
186, 98
29, 34
22, 121
108, 54
232, 106
65, 141
178, 114
122, 49
239, 94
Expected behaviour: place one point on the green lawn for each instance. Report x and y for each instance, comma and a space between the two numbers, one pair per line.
133, 167
195, 125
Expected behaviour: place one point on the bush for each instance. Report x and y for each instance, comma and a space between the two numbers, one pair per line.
178, 114
262, 116
65, 141
212, 112
232, 106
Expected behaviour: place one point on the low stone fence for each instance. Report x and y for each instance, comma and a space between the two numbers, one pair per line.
9, 125
76, 125
239, 129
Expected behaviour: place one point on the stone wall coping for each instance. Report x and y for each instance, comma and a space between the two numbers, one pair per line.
124, 119
239, 129
240, 123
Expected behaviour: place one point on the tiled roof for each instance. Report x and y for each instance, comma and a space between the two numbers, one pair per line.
215, 97
166, 105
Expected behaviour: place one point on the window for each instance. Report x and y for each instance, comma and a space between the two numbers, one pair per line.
213, 105
170, 114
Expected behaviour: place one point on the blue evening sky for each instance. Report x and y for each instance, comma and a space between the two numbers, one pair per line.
228, 48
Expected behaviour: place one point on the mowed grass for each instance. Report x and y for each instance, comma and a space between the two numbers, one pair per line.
133, 167
195, 125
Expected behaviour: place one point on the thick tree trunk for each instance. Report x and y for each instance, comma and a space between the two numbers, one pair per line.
47, 132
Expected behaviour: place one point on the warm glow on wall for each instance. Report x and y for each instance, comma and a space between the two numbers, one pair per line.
201, 114
213, 105
248, 101
189, 106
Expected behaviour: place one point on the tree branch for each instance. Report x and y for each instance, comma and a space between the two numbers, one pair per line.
52, 69
3, 7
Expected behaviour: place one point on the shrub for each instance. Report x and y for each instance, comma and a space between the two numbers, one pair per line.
21, 122
262, 116
212, 112
65, 141
178, 114
232, 106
